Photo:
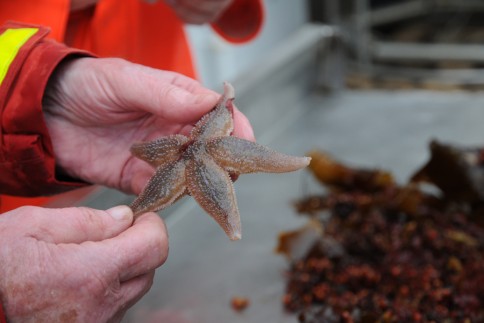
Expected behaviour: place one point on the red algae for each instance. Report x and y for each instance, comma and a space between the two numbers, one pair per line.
388, 253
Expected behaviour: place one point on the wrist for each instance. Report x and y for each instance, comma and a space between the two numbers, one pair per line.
55, 113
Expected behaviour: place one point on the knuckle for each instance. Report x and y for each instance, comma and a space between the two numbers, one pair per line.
34, 216
95, 284
114, 62
87, 220
84, 215
110, 68
27, 211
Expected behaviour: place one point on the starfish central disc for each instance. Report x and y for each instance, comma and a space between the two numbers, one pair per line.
199, 165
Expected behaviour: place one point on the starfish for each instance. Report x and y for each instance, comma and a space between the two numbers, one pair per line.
200, 165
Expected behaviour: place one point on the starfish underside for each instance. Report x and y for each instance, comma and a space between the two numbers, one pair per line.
200, 164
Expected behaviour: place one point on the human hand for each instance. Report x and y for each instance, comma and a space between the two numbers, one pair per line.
198, 11
77, 264
95, 109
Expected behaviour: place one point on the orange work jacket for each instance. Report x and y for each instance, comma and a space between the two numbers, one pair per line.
148, 34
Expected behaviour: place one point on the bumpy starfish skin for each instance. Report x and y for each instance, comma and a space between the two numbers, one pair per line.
199, 165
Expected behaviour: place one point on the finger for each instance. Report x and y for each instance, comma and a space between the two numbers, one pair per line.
75, 224
242, 127
142, 173
135, 288
168, 95
182, 106
130, 293
138, 250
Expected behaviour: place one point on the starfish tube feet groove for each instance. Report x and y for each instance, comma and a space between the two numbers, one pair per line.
200, 164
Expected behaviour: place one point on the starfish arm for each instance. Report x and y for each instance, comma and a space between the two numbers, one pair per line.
242, 156
165, 187
159, 152
212, 188
219, 121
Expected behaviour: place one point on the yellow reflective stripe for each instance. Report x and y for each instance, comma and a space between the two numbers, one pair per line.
10, 43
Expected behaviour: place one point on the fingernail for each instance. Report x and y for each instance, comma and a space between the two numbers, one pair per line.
121, 212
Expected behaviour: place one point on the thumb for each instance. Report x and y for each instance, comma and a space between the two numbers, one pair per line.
166, 94
180, 105
76, 224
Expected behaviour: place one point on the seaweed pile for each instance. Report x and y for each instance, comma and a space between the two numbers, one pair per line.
376, 251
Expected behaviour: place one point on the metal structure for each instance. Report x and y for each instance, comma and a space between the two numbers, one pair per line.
356, 27
424, 52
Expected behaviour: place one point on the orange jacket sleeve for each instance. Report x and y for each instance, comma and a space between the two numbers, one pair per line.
27, 161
